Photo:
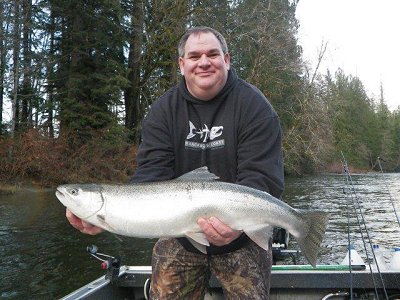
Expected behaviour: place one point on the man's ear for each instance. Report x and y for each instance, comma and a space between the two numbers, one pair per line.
181, 62
227, 59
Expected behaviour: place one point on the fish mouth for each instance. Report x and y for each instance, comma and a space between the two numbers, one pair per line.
59, 194
62, 198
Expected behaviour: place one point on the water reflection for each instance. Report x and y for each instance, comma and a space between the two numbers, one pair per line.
43, 257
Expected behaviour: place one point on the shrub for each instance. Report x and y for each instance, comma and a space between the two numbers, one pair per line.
105, 157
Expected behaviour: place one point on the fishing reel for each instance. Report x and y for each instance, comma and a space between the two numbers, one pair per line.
109, 263
280, 242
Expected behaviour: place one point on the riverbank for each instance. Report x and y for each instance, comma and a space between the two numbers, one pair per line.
107, 157
337, 168
91, 172
32, 158
29, 184
7, 189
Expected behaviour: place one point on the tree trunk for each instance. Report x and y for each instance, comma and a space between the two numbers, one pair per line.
50, 79
26, 94
16, 49
2, 62
132, 92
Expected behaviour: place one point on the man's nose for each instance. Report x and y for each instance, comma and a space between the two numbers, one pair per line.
204, 61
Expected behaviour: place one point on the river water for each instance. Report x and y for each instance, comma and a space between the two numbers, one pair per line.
43, 257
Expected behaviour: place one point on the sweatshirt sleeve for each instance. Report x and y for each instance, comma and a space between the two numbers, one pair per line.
155, 156
260, 163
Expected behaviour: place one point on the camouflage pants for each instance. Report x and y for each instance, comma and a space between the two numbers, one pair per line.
179, 274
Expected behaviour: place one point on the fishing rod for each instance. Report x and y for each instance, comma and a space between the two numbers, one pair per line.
351, 193
388, 190
357, 206
349, 243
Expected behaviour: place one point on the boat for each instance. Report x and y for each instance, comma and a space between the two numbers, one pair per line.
323, 282
291, 282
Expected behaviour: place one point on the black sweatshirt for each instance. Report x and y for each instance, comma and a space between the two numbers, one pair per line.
237, 135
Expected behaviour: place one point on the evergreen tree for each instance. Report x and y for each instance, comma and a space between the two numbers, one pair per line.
395, 146
91, 72
352, 113
384, 139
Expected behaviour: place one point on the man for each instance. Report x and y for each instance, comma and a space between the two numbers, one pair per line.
211, 118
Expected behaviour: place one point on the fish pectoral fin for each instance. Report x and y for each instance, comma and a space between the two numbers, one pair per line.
103, 223
198, 246
260, 235
198, 237
198, 240
101, 218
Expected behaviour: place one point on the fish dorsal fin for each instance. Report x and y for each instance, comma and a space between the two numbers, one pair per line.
201, 174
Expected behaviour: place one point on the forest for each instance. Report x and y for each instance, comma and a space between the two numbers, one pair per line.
77, 77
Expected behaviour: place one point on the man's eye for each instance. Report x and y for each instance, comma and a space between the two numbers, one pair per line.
194, 57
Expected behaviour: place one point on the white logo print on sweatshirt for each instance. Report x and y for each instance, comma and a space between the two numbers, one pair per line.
215, 132
206, 135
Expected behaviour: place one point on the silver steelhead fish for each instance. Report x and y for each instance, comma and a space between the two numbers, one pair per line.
171, 209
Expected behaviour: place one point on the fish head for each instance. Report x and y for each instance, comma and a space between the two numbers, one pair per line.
83, 200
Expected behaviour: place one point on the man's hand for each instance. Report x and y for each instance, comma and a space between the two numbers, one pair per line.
81, 225
217, 233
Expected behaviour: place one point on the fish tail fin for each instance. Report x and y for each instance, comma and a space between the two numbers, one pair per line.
311, 242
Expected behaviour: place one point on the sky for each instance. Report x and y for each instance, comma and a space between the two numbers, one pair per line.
363, 39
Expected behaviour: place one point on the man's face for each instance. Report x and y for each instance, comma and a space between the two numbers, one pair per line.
204, 65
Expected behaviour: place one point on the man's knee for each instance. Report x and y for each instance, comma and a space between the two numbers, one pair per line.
245, 273
177, 274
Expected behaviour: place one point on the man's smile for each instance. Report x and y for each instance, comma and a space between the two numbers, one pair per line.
204, 73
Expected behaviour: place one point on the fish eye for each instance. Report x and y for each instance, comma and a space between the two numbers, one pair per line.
74, 192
